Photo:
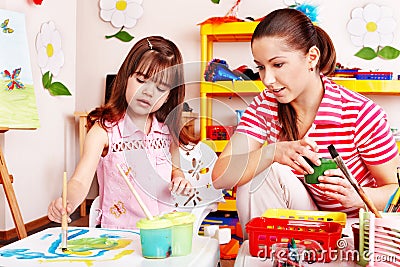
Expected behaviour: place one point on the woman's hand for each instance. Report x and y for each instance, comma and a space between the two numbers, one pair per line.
291, 153
180, 186
56, 210
335, 185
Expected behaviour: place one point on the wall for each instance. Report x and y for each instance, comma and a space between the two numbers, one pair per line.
36, 158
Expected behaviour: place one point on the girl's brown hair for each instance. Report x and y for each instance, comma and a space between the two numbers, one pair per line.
297, 31
160, 60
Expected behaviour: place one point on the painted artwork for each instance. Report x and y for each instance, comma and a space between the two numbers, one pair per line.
86, 247
18, 109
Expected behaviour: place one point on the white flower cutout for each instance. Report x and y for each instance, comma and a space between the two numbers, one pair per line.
371, 26
48, 47
50, 58
121, 13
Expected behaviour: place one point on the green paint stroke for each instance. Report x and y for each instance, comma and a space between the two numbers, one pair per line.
87, 244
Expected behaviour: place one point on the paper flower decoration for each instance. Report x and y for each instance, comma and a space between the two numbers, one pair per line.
50, 57
309, 10
121, 13
372, 28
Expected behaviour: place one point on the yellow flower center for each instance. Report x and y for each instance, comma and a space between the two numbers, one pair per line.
371, 26
120, 5
49, 50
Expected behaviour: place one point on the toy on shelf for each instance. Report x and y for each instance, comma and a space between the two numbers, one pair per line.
219, 132
218, 70
246, 73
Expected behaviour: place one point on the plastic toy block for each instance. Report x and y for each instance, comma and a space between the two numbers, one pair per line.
230, 250
239, 231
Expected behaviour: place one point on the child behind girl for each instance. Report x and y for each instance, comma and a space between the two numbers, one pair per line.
140, 127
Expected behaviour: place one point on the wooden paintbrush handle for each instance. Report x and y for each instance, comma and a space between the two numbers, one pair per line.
64, 220
368, 202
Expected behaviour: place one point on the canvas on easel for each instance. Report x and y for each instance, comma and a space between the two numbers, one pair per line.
18, 109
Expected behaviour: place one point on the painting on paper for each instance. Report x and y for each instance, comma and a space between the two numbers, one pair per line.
18, 109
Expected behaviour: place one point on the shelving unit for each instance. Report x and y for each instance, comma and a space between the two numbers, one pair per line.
242, 32
226, 32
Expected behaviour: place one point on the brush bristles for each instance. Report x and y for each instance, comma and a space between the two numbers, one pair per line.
332, 151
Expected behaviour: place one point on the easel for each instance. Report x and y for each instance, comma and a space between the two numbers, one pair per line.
6, 180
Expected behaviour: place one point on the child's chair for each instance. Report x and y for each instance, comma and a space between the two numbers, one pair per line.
94, 212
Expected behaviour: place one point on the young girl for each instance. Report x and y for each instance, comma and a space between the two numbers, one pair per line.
140, 128
300, 113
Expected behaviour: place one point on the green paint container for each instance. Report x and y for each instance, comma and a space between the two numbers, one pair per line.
326, 164
182, 232
155, 237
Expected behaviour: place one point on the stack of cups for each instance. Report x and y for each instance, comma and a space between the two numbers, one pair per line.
182, 232
168, 235
155, 237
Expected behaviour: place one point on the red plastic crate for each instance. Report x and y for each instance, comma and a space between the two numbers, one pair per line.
264, 232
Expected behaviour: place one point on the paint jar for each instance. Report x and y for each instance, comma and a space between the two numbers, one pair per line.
182, 232
155, 237
326, 164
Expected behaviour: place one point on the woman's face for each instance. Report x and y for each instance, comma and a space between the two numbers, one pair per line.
144, 96
284, 71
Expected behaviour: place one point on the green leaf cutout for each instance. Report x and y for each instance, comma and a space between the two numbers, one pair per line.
215, 1
58, 88
46, 79
121, 35
366, 53
388, 52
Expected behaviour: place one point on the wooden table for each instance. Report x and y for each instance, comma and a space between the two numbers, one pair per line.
98, 247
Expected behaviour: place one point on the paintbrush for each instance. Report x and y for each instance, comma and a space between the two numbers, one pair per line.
340, 163
64, 220
139, 200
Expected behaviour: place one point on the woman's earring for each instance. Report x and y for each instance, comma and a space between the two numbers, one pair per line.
311, 69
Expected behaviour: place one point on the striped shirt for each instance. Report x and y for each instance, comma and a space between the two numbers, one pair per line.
354, 124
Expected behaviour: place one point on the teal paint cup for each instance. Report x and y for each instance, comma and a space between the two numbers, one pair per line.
182, 232
326, 164
155, 237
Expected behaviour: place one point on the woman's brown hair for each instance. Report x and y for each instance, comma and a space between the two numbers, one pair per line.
160, 60
297, 31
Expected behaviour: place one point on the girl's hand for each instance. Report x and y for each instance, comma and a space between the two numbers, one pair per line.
336, 186
181, 186
56, 210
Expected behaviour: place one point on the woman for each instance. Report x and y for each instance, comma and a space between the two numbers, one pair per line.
299, 114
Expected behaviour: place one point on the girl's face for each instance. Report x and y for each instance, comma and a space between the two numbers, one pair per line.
144, 96
284, 71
